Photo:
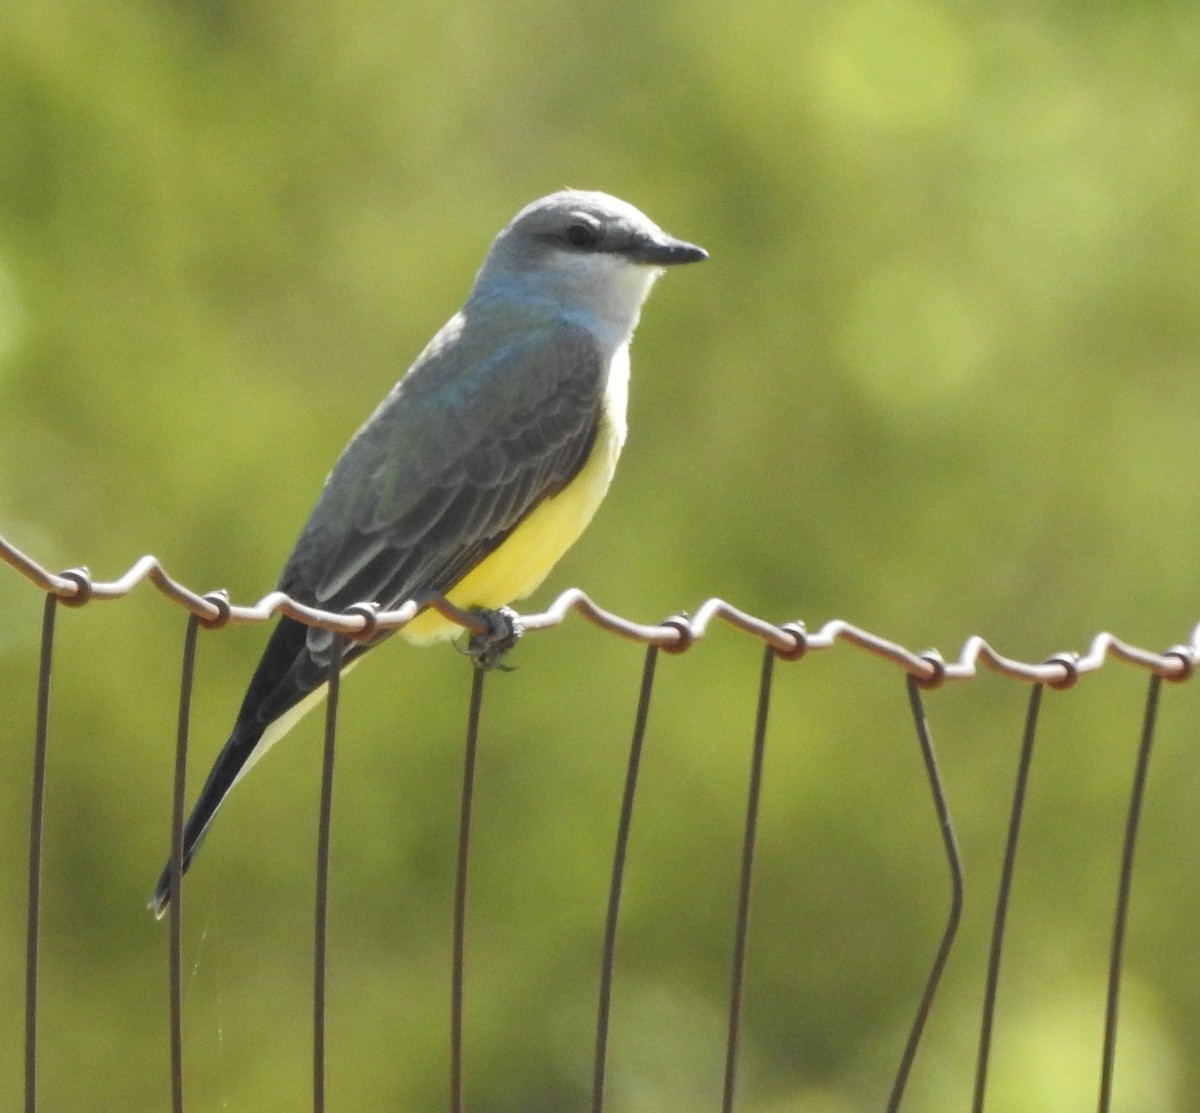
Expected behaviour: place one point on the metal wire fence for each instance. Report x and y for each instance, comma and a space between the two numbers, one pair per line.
781, 643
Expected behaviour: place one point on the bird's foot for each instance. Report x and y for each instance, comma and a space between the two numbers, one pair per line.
504, 630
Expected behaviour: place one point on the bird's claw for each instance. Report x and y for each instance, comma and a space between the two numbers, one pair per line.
504, 630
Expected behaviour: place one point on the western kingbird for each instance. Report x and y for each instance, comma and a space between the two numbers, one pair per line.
480, 468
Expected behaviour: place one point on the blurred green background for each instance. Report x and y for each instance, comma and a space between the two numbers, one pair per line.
938, 378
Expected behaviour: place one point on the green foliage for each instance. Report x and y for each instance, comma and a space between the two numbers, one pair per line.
938, 378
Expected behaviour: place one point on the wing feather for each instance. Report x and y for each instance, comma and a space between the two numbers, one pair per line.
462, 450
469, 442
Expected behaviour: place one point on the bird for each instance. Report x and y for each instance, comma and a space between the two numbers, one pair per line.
478, 470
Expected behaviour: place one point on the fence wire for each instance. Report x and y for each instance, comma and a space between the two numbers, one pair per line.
787, 642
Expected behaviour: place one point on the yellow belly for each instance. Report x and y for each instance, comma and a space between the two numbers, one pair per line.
518, 566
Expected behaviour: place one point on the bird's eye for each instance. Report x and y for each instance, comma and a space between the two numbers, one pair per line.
583, 235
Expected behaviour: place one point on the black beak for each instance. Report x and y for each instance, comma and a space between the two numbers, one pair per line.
666, 251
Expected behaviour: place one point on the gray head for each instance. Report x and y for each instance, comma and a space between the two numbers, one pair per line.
590, 252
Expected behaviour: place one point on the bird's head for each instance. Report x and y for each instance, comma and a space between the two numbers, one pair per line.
590, 252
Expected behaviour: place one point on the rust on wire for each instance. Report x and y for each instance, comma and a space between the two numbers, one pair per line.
36, 816
1124, 888
954, 916
790, 640
458, 946
1000, 915
616, 886
175, 936
321, 905
742, 921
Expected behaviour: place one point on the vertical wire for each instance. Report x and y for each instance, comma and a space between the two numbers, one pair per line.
1001, 917
460, 893
1124, 887
175, 938
321, 915
741, 930
36, 814
618, 874
954, 862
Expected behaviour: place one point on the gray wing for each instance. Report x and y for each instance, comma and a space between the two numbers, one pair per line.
469, 442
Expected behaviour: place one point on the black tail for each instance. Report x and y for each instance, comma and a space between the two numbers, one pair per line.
293, 665
229, 764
